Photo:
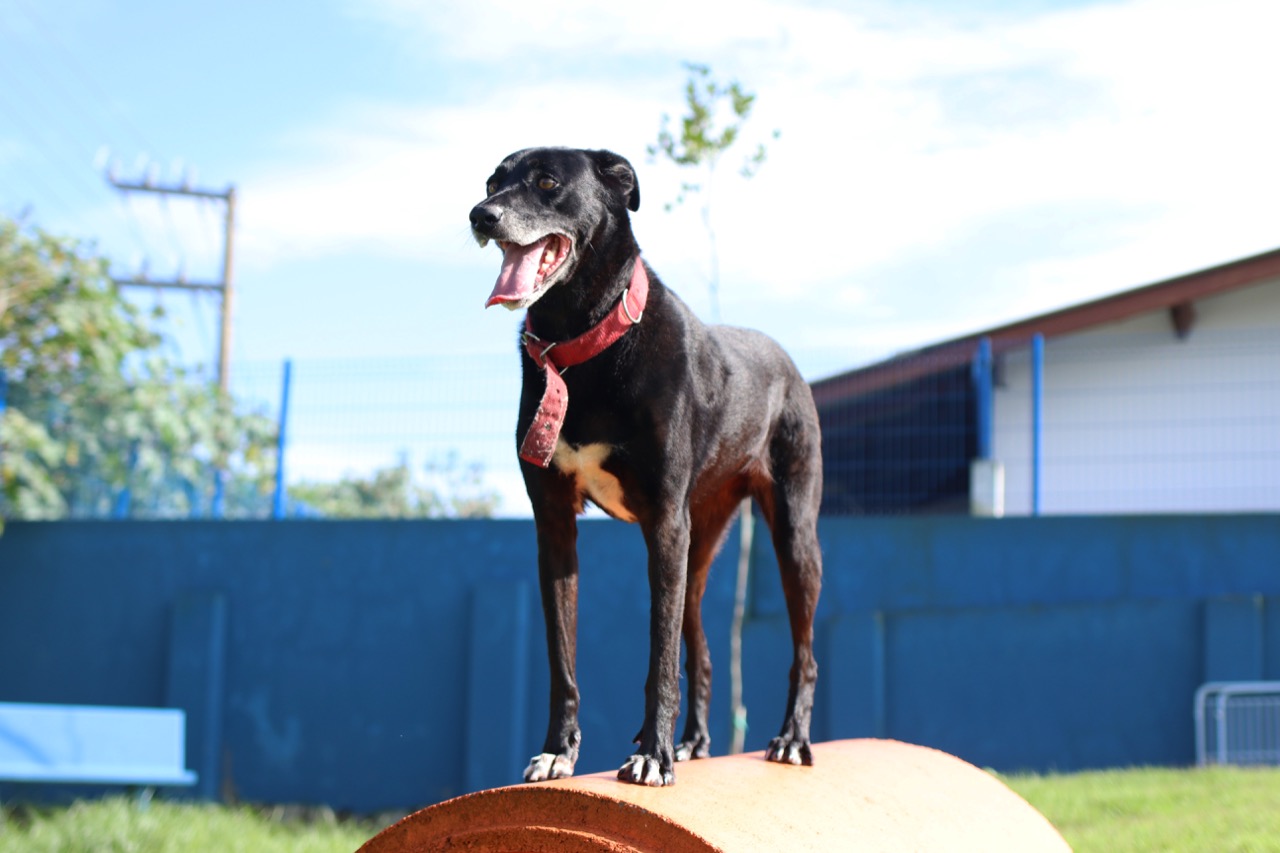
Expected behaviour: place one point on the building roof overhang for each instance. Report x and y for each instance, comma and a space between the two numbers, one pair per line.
1176, 295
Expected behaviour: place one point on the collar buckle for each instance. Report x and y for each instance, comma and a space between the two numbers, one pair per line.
533, 345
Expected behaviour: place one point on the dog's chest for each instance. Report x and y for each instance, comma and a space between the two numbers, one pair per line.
584, 465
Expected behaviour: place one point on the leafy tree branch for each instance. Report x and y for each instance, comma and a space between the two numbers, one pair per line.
96, 422
712, 124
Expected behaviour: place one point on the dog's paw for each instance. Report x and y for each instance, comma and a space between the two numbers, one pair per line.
788, 750
697, 748
547, 766
646, 770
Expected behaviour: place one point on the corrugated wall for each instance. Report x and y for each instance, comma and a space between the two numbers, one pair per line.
371, 665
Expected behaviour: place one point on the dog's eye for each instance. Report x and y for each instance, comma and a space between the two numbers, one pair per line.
546, 183
491, 187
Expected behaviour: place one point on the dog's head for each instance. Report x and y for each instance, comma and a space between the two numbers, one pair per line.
543, 207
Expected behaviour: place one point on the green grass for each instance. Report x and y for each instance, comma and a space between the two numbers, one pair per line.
1221, 809
118, 825
1218, 809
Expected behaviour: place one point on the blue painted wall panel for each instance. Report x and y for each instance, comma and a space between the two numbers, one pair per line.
1234, 636
195, 681
1047, 687
353, 659
852, 673
497, 682
347, 664
1271, 639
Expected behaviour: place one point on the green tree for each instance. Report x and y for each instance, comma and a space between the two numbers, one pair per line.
453, 491
97, 422
711, 126
713, 123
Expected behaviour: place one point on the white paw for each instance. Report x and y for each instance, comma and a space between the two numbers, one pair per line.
547, 766
787, 751
645, 770
691, 749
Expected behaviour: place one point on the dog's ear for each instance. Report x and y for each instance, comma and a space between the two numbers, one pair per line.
617, 173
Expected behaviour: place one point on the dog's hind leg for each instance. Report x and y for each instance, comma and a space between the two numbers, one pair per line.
696, 740
791, 510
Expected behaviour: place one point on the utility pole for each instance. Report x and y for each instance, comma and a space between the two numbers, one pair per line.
224, 286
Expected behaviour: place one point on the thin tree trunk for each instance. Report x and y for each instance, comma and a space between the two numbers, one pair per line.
746, 527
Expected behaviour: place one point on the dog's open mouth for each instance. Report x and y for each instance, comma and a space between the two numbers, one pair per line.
527, 271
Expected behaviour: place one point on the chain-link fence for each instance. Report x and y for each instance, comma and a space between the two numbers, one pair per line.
1105, 422
447, 422
1134, 423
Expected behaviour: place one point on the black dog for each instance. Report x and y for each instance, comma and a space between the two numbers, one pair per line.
672, 424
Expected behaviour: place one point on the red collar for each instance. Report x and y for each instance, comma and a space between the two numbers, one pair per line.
554, 357
600, 337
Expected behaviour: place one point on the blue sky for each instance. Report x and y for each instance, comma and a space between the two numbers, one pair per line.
942, 166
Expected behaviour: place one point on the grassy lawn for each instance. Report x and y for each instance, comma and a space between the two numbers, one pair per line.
1117, 811
118, 825
1219, 809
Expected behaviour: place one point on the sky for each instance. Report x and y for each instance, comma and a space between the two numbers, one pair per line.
939, 168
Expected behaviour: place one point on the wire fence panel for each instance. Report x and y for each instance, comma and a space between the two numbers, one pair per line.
901, 447
1238, 723
1133, 422
1142, 423
435, 416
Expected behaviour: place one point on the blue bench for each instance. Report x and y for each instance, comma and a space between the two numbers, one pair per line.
143, 747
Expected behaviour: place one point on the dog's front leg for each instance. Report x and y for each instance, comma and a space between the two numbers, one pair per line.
654, 760
558, 579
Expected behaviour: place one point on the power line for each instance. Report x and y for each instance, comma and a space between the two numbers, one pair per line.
69, 61
48, 133
222, 286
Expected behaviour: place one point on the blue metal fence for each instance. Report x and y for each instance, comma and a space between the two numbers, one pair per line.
1037, 421
282, 435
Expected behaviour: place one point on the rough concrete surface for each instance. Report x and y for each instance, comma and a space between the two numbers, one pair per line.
860, 795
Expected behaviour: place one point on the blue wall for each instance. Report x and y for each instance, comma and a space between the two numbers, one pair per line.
371, 665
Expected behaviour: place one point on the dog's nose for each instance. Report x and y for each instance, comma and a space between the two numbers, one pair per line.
485, 216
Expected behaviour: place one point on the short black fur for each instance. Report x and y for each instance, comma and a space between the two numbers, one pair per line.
672, 426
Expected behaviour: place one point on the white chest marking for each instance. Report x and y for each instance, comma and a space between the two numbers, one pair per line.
592, 481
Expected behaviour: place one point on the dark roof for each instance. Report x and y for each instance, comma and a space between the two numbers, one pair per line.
1175, 294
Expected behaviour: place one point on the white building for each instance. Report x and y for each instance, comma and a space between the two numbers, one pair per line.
1156, 400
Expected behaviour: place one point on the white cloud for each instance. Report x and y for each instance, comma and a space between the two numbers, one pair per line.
514, 31
401, 179
900, 136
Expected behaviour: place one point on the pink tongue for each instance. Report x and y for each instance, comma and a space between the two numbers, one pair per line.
519, 272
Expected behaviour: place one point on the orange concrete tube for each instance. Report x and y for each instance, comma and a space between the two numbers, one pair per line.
859, 795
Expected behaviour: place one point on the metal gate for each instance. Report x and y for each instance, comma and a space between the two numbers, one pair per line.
1238, 722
